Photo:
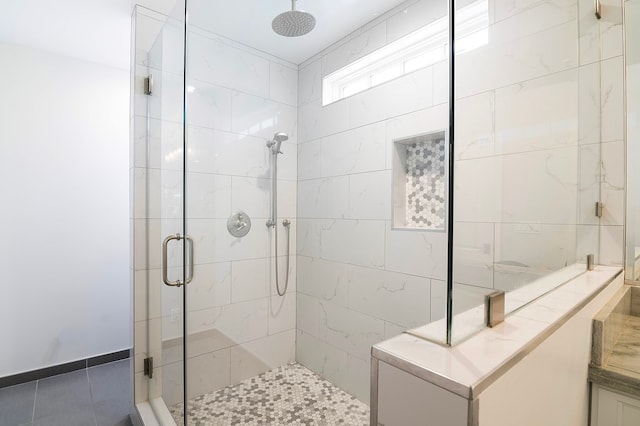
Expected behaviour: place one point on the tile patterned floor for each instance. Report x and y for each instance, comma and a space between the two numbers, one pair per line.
289, 395
96, 396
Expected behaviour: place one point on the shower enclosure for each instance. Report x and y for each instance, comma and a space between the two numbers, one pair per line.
360, 131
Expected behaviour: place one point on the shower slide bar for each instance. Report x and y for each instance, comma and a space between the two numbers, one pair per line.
165, 272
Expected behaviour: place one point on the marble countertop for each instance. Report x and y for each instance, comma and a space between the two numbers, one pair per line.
470, 367
621, 371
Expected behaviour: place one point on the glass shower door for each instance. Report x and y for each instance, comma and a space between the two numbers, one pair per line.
161, 248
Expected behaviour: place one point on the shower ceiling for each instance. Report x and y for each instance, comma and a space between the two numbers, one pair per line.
98, 30
249, 22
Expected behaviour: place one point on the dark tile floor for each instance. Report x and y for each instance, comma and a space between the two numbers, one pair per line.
96, 396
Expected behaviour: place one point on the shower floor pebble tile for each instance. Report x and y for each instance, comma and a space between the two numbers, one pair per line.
288, 395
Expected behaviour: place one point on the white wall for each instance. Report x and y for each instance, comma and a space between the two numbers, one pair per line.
64, 185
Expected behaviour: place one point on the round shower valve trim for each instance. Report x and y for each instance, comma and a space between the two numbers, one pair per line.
239, 224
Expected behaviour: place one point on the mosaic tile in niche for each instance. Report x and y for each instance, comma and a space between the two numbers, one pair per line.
425, 184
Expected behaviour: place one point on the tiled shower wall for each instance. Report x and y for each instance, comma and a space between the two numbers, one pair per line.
533, 106
359, 281
237, 325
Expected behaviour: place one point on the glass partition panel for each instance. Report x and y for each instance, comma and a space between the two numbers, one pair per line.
158, 229
632, 52
527, 154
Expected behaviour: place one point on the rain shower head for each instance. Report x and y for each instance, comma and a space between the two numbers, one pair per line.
293, 23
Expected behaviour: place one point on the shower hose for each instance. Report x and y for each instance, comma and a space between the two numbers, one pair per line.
287, 224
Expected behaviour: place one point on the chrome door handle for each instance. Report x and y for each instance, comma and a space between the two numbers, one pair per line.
165, 273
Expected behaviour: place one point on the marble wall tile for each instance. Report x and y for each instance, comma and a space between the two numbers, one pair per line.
250, 279
354, 151
359, 242
310, 82
282, 313
409, 93
243, 322
283, 83
612, 99
588, 33
589, 183
324, 198
473, 253
261, 117
438, 300
209, 106
251, 195
429, 248
546, 188
211, 286
308, 165
349, 330
208, 195
398, 298
323, 280
589, 104
308, 240
613, 183
611, 245
217, 152
588, 242
322, 358
478, 189
611, 40
441, 83
357, 382
475, 129
505, 62
214, 373
216, 61
256, 357
354, 48
537, 114
414, 16
316, 121
369, 195
288, 162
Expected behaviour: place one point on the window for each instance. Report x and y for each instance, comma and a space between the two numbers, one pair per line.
415, 51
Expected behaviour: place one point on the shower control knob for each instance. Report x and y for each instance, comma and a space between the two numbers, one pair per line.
239, 224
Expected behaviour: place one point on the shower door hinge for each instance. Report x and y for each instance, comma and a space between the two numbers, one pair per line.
599, 207
148, 84
148, 367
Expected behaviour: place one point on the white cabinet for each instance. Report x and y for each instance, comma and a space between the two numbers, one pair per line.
612, 408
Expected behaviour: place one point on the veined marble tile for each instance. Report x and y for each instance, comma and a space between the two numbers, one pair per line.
255, 357
251, 195
310, 82
398, 298
409, 93
213, 369
428, 254
537, 114
211, 286
415, 16
308, 164
316, 121
503, 63
282, 313
213, 151
358, 378
546, 190
250, 279
354, 151
611, 245
308, 237
324, 198
261, 117
613, 183
588, 183
164, 145
283, 84
354, 49
369, 195
359, 242
349, 330
474, 254
589, 104
612, 99
209, 106
208, 195
478, 187
214, 60
324, 280
322, 358
475, 130
505, 9
215, 244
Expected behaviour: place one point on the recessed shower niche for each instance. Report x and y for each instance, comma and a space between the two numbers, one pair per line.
420, 182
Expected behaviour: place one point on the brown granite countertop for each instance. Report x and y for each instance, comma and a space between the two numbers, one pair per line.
621, 371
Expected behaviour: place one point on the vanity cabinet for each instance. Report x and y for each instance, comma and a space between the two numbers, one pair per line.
613, 408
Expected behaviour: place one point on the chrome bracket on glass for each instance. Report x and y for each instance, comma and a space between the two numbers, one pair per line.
165, 272
239, 224
598, 7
